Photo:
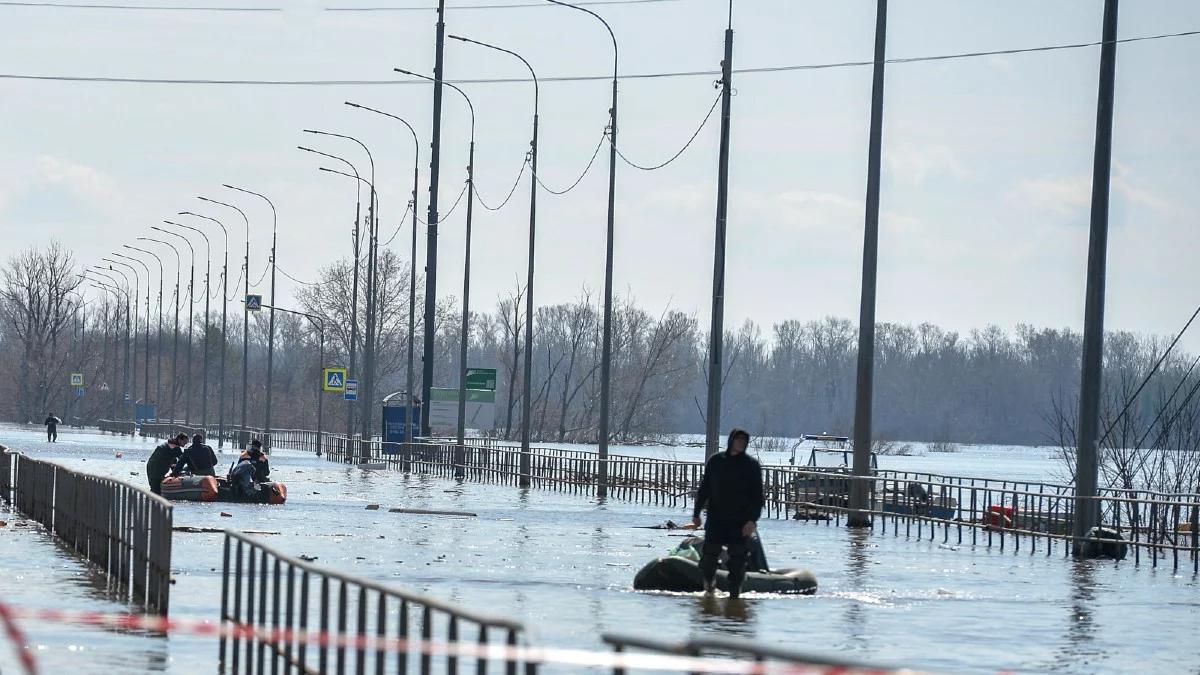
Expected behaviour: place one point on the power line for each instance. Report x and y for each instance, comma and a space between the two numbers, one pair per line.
581, 78
152, 8
510, 192
676, 156
586, 169
496, 6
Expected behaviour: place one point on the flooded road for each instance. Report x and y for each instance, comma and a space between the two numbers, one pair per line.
564, 565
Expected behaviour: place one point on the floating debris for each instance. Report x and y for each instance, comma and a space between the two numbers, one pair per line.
307, 558
425, 512
226, 515
372, 507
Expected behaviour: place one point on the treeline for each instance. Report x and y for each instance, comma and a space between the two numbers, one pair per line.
986, 386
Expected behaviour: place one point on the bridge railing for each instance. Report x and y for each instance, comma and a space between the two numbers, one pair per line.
123, 530
299, 611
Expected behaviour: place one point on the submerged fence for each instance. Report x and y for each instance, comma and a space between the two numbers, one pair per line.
392, 630
1155, 527
123, 530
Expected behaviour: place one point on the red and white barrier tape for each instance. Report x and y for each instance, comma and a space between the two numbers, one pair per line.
372, 643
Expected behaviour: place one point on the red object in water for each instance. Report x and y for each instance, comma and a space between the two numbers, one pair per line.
999, 516
278, 495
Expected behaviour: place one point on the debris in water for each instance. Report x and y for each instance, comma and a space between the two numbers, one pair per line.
617, 564
359, 557
948, 547
372, 507
120, 455
226, 515
3, 523
195, 529
307, 558
424, 512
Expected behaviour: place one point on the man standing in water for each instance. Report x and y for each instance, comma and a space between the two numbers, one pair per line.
52, 423
732, 492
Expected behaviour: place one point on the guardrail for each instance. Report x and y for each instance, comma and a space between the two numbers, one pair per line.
123, 530
290, 600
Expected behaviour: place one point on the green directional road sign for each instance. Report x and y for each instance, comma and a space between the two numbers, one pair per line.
333, 379
481, 378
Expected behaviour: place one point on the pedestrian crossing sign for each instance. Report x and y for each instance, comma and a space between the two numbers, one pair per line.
334, 379
254, 303
76, 379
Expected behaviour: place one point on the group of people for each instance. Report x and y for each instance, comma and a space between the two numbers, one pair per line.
175, 457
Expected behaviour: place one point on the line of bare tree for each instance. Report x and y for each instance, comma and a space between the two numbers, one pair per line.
932, 384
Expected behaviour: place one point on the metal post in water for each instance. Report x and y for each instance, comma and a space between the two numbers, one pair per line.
1087, 510
432, 221
859, 492
717, 328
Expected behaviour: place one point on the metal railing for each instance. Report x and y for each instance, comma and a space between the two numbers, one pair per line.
123, 530
301, 606
761, 654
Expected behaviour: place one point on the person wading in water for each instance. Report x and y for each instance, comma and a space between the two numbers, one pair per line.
732, 492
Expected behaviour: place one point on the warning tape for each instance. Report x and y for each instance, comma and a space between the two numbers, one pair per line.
371, 643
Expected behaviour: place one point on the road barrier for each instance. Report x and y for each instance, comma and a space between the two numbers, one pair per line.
270, 591
123, 530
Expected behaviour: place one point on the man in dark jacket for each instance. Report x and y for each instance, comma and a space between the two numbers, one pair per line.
732, 492
198, 459
262, 463
162, 460
242, 476
52, 423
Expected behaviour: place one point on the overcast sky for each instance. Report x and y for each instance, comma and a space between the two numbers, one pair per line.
986, 176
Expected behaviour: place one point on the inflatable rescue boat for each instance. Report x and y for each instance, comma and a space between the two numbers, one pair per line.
215, 489
679, 571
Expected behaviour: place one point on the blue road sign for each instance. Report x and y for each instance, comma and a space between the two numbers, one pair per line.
253, 303
335, 379
79, 392
351, 390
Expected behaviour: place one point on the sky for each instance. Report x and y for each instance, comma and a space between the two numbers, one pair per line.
986, 173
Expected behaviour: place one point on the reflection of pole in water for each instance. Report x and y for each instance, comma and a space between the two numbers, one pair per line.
856, 575
1081, 625
724, 616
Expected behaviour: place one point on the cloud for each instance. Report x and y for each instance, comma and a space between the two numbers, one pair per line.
915, 163
1071, 196
81, 179
1001, 64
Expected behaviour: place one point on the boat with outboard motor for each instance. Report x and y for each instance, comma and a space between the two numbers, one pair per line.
679, 571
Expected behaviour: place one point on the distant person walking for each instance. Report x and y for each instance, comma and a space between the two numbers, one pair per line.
732, 492
52, 423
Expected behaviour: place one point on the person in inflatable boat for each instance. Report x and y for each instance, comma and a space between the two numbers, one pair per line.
731, 490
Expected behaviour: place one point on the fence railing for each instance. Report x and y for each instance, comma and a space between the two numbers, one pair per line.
304, 607
123, 530
1163, 528
765, 655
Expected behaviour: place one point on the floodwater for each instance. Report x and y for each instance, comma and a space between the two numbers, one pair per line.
564, 565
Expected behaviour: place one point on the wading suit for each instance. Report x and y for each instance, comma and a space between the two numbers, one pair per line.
732, 492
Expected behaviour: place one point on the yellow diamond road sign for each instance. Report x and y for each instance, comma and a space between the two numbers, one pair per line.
334, 379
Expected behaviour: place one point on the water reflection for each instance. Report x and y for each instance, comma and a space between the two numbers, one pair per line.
1079, 648
726, 616
857, 563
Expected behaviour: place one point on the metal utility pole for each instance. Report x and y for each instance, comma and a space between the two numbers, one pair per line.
1087, 509
245, 318
432, 221
864, 392
412, 278
526, 403
354, 292
207, 294
187, 389
716, 337
174, 383
271, 318
130, 347
606, 333
224, 316
365, 395
145, 333
159, 349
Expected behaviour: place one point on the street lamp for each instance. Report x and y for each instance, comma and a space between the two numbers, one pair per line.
319, 322
354, 287
159, 349
369, 346
187, 389
271, 320
103, 272
526, 403
146, 332
412, 274
192, 294
245, 317
606, 340
130, 343
224, 336
466, 308
174, 382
